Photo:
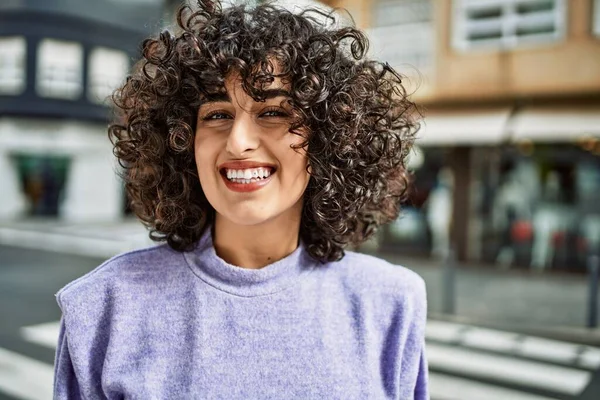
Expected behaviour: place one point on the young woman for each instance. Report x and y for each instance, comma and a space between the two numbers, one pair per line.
258, 144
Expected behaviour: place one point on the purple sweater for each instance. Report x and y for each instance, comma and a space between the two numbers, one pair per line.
158, 324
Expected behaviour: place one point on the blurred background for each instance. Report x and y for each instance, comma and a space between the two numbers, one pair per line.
503, 219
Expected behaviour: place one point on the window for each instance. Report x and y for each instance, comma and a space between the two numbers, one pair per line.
12, 65
138, 2
402, 32
394, 12
596, 22
229, 3
507, 23
107, 69
292, 5
59, 69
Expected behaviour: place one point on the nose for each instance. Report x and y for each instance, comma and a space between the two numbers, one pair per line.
243, 136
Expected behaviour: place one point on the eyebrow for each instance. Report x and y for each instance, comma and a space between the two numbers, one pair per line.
224, 96
274, 93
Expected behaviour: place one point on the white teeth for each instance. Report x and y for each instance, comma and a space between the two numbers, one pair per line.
247, 175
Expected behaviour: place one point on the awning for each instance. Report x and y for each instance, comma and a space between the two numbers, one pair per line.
456, 128
556, 124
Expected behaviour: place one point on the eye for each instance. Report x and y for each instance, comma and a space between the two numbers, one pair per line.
215, 115
276, 112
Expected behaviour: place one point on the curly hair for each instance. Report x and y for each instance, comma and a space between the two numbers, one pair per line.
360, 121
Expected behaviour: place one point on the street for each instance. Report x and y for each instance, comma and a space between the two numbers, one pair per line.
466, 362
28, 281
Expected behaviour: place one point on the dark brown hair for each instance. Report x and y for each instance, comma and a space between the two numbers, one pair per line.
360, 121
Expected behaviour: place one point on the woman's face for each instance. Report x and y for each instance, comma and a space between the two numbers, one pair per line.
247, 169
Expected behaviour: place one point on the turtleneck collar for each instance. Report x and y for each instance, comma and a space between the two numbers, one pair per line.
212, 269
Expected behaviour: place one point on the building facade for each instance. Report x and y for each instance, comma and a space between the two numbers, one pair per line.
508, 169
59, 62
507, 162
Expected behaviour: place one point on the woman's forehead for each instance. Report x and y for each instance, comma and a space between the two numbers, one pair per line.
234, 81
234, 88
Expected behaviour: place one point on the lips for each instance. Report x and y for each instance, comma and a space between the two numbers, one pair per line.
245, 165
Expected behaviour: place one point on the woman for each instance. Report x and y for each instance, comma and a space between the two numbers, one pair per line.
258, 144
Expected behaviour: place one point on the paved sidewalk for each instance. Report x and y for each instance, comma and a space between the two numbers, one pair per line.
96, 240
551, 304
547, 304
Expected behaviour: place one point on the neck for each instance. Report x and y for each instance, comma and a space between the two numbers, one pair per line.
256, 246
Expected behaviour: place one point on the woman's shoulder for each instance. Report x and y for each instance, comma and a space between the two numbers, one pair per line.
140, 265
370, 274
374, 270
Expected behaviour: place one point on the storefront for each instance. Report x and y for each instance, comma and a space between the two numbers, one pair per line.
62, 169
539, 206
42, 181
513, 189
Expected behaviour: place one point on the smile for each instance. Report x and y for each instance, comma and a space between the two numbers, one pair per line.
247, 175
247, 180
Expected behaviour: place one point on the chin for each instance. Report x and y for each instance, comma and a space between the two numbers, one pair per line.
247, 218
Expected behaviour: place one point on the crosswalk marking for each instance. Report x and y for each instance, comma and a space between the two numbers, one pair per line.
589, 358
24, 377
508, 370
452, 388
490, 340
549, 350
43, 334
443, 331
510, 343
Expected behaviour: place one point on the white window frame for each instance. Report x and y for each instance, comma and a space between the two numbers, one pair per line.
13, 52
507, 24
399, 8
596, 21
107, 69
406, 44
59, 69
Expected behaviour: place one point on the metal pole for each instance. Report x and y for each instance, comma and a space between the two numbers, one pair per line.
593, 271
449, 282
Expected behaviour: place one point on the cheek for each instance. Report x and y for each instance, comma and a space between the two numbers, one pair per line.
301, 161
297, 162
204, 156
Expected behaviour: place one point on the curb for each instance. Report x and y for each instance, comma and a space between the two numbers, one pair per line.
71, 243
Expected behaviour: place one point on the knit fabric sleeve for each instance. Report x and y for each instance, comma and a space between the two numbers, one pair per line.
422, 383
65, 380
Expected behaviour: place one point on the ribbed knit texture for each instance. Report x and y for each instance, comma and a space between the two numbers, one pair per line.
158, 324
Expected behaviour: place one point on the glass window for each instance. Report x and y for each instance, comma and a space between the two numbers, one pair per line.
507, 23
423, 227
59, 69
229, 3
43, 181
12, 65
540, 206
140, 2
596, 22
402, 33
107, 69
